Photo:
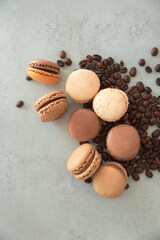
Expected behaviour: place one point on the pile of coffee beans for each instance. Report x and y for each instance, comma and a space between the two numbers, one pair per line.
67, 61
143, 111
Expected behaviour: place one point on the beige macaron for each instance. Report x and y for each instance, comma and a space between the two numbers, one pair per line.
51, 106
110, 180
82, 85
110, 104
84, 162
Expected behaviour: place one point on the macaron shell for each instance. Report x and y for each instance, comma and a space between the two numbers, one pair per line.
44, 64
53, 111
91, 169
110, 104
42, 76
80, 158
82, 85
110, 180
49, 97
123, 142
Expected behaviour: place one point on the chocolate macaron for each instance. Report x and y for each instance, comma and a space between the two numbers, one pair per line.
51, 106
123, 142
110, 180
43, 71
84, 125
84, 162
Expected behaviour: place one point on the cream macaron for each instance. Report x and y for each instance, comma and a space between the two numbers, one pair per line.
84, 161
82, 85
110, 104
110, 180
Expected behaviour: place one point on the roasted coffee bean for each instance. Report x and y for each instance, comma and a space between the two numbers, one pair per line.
126, 78
157, 160
105, 62
139, 101
83, 63
127, 186
148, 114
133, 161
105, 156
125, 88
153, 166
121, 63
158, 124
62, 54
158, 81
123, 70
99, 148
89, 58
28, 78
154, 51
144, 127
133, 72
145, 120
80, 143
147, 139
119, 82
138, 115
143, 135
135, 176
116, 75
136, 95
125, 164
130, 170
107, 74
149, 174
157, 68
143, 141
141, 109
158, 99
125, 117
146, 96
116, 67
104, 84
140, 86
68, 61
110, 60
138, 169
153, 121
132, 90
148, 69
96, 140
112, 80
100, 64
88, 180
145, 166
97, 57
60, 63
148, 89
153, 99
156, 133
19, 104
157, 113
141, 62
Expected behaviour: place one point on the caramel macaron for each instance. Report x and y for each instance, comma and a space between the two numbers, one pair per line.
110, 180
123, 142
84, 162
110, 104
51, 106
82, 85
44, 71
84, 125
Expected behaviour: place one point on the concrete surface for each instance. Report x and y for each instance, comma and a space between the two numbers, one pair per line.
39, 199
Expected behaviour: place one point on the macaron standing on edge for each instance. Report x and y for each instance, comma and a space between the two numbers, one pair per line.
110, 180
82, 85
44, 71
84, 161
51, 106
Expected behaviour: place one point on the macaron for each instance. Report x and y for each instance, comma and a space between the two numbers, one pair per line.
84, 125
43, 71
110, 104
51, 106
123, 142
82, 85
110, 180
84, 161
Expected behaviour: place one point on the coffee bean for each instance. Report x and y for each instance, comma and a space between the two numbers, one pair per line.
28, 78
156, 133
130, 170
158, 99
157, 68
105, 62
158, 81
133, 72
149, 174
135, 176
110, 60
153, 121
83, 63
116, 75
132, 90
88, 180
97, 57
153, 99
146, 96
68, 61
141, 62
80, 143
157, 113
100, 64
121, 63
116, 67
148, 69
123, 70
148, 114
89, 58
99, 148
138, 115
154, 51
62, 54
107, 74
144, 127
143, 135
105, 156
60, 63
112, 80
125, 117
126, 78
138, 169
136, 95
127, 186
157, 160
153, 166
140, 86
96, 140
19, 104
147, 139
141, 109
148, 89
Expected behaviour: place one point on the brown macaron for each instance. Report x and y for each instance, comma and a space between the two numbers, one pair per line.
123, 142
84, 161
84, 125
110, 180
51, 106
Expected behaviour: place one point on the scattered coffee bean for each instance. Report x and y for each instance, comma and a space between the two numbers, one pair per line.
89, 58
97, 57
100, 64
126, 78
135, 176
60, 63
141, 62
154, 51
146, 96
117, 67
105, 62
153, 166
28, 78
83, 63
136, 95
62, 54
96, 140
127, 186
157, 68
116, 75
121, 63
123, 70
149, 174
140, 86
99, 148
110, 60
148, 69
68, 61
105, 156
158, 81
133, 72
88, 180
157, 160
19, 104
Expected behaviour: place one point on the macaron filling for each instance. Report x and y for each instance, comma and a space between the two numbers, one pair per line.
44, 67
45, 70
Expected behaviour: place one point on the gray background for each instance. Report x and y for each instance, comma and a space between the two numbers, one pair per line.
39, 199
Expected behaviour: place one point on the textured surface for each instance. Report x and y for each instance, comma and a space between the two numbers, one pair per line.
39, 199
